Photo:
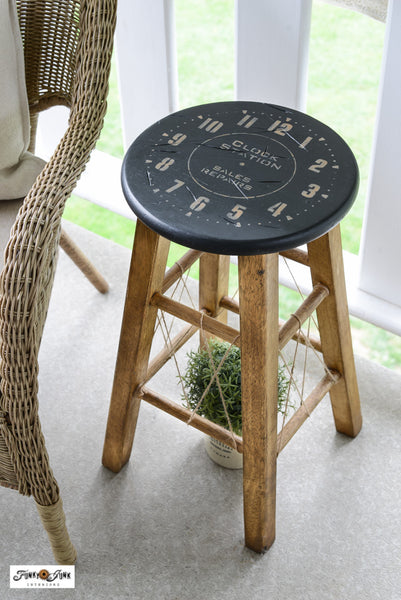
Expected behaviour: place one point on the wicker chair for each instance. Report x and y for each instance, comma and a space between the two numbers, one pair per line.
67, 46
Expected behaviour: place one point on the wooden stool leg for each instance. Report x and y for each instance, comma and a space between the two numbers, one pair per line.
258, 289
326, 263
83, 263
148, 263
214, 272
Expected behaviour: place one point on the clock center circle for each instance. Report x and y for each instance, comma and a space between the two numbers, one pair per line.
242, 165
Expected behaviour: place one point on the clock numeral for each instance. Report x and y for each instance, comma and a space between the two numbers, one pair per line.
199, 203
311, 191
178, 184
210, 125
277, 209
236, 212
164, 164
305, 142
319, 164
247, 121
177, 139
280, 128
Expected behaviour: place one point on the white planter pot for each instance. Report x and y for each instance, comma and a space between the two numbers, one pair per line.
223, 455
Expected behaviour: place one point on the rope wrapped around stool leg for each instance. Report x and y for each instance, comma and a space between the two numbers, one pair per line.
53, 519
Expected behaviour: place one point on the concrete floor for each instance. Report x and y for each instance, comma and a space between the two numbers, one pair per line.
169, 525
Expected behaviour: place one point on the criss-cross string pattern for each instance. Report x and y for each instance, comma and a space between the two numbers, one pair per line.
307, 336
181, 287
296, 374
166, 332
215, 377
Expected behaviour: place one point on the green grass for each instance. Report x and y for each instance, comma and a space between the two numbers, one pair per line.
345, 61
111, 138
344, 70
205, 48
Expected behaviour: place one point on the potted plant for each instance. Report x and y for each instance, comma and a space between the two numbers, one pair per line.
197, 383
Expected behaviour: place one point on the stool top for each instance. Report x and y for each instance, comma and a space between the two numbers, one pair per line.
240, 178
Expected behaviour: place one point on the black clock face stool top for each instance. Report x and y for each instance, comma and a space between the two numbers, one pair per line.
240, 178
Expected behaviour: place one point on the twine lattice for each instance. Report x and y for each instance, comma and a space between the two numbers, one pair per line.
166, 332
289, 364
306, 337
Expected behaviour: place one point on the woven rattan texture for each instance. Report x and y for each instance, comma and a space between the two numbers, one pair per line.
49, 32
68, 46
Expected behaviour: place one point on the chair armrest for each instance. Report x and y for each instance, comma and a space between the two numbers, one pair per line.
31, 253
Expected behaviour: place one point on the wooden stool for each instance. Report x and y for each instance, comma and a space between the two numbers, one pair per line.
252, 180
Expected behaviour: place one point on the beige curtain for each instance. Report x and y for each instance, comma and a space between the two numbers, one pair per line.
18, 168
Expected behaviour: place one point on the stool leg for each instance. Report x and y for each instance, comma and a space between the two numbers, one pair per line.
258, 297
148, 263
83, 263
213, 285
326, 263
